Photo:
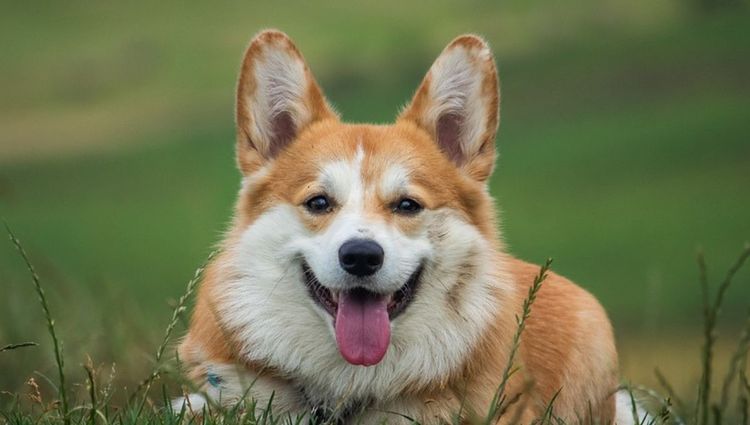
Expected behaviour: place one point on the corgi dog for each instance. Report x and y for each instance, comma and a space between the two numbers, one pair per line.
363, 278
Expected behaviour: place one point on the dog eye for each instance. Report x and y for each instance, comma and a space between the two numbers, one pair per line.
407, 206
318, 204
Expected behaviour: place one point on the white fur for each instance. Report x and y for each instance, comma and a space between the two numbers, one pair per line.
237, 383
193, 403
266, 303
251, 179
624, 410
394, 182
403, 255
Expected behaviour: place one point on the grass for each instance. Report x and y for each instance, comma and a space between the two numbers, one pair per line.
246, 411
710, 313
623, 144
57, 345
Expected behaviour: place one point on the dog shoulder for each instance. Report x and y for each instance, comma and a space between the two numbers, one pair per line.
568, 344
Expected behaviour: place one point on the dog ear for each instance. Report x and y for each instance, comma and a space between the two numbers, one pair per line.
277, 98
458, 103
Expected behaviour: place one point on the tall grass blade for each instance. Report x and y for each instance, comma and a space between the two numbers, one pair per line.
50, 324
89, 368
10, 347
145, 385
701, 405
743, 393
738, 358
500, 396
671, 393
730, 275
711, 313
549, 409
633, 405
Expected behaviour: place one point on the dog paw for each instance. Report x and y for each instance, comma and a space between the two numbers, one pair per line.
192, 403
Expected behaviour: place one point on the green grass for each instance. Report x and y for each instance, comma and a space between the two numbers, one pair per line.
623, 146
141, 407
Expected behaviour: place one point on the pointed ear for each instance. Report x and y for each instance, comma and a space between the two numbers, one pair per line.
457, 104
277, 98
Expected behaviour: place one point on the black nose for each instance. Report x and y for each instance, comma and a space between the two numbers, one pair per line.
361, 257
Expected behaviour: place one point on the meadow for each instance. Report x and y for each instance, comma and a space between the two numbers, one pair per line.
623, 149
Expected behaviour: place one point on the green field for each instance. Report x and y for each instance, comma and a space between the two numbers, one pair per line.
624, 145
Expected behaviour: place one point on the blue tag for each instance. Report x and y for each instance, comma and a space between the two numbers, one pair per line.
213, 379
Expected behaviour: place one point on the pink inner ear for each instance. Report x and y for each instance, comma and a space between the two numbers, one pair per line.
283, 133
448, 137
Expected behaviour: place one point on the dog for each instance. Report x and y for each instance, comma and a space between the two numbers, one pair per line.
363, 279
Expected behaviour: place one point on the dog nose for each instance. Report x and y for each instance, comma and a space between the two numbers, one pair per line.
361, 257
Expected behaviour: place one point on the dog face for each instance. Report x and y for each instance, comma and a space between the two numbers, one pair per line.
361, 245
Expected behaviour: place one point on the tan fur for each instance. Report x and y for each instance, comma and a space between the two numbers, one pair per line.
567, 345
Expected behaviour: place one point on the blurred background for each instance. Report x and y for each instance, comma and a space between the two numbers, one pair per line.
624, 146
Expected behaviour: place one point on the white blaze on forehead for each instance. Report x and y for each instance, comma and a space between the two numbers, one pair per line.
394, 181
342, 180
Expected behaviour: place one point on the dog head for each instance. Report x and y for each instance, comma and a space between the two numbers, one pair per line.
361, 245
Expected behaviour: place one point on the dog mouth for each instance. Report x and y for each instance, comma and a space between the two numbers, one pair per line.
362, 318
329, 300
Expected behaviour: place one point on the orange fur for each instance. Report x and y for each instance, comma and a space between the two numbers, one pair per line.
568, 344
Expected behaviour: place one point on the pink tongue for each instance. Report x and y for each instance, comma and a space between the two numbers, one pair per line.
363, 329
